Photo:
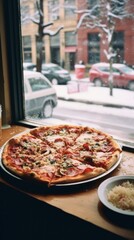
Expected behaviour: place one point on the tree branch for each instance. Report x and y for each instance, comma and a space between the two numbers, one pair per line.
51, 33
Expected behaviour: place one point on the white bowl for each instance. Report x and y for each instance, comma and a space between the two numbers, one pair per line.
106, 186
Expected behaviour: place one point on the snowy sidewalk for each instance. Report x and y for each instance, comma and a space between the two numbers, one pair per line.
81, 91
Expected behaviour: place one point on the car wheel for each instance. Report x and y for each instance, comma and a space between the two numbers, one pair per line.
131, 86
98, 82
47, 110
54, 81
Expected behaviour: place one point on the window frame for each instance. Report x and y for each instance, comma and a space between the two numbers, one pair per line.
13, 42
12, 22
70, 38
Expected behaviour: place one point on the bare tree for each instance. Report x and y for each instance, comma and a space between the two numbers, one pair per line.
38, 19
104, 14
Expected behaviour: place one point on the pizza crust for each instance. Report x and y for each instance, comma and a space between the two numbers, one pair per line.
81, 177
65, 143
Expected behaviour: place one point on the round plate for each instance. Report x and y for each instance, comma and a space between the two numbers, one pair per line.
59, 184
94, 178
107, 185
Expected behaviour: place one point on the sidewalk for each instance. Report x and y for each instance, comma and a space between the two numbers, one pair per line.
82, 91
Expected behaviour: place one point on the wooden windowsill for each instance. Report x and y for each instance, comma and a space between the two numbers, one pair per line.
81, 201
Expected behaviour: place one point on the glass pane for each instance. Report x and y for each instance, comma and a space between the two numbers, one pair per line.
69, 8
84, 53
94, 48
53, 10
70, 38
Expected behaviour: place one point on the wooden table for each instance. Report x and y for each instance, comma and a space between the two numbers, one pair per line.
82, 201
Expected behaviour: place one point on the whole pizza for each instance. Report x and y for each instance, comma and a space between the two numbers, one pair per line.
60, 154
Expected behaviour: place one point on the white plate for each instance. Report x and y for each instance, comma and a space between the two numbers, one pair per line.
66, 184
106, 186
94, 178
59, 184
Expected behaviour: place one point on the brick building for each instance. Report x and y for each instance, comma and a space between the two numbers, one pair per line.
68, 46
92, 41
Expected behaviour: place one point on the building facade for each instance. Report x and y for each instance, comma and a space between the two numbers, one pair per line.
92, 42
69, 46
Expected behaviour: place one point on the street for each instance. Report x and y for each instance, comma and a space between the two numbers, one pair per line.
117, 122
96, 108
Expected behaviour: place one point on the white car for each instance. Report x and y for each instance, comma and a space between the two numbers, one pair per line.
40, 95
29, 66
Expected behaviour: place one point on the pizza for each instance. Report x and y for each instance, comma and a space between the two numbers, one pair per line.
60, 154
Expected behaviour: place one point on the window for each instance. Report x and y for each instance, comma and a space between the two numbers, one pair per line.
118, 46
25, 88
53, 9
27, 51
38, 84
116, 71
70, 7
104, 69
42, 52
70, 38
55, 49
93, 48
117, 6
25, 11
58, 47
93, 4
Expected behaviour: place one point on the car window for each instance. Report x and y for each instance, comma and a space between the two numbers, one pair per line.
28, 66
127, 69
45, 68
115, 70
56, 68
38, 84
104, 69
31, 67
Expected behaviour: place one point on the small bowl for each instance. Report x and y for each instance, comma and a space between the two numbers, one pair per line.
108, 185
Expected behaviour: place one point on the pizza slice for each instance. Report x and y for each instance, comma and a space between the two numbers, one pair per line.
71, 171
96, 148
54, 133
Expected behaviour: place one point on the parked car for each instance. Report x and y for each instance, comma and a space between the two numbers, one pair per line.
55, 73
29, 66
40, 95
123, 76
